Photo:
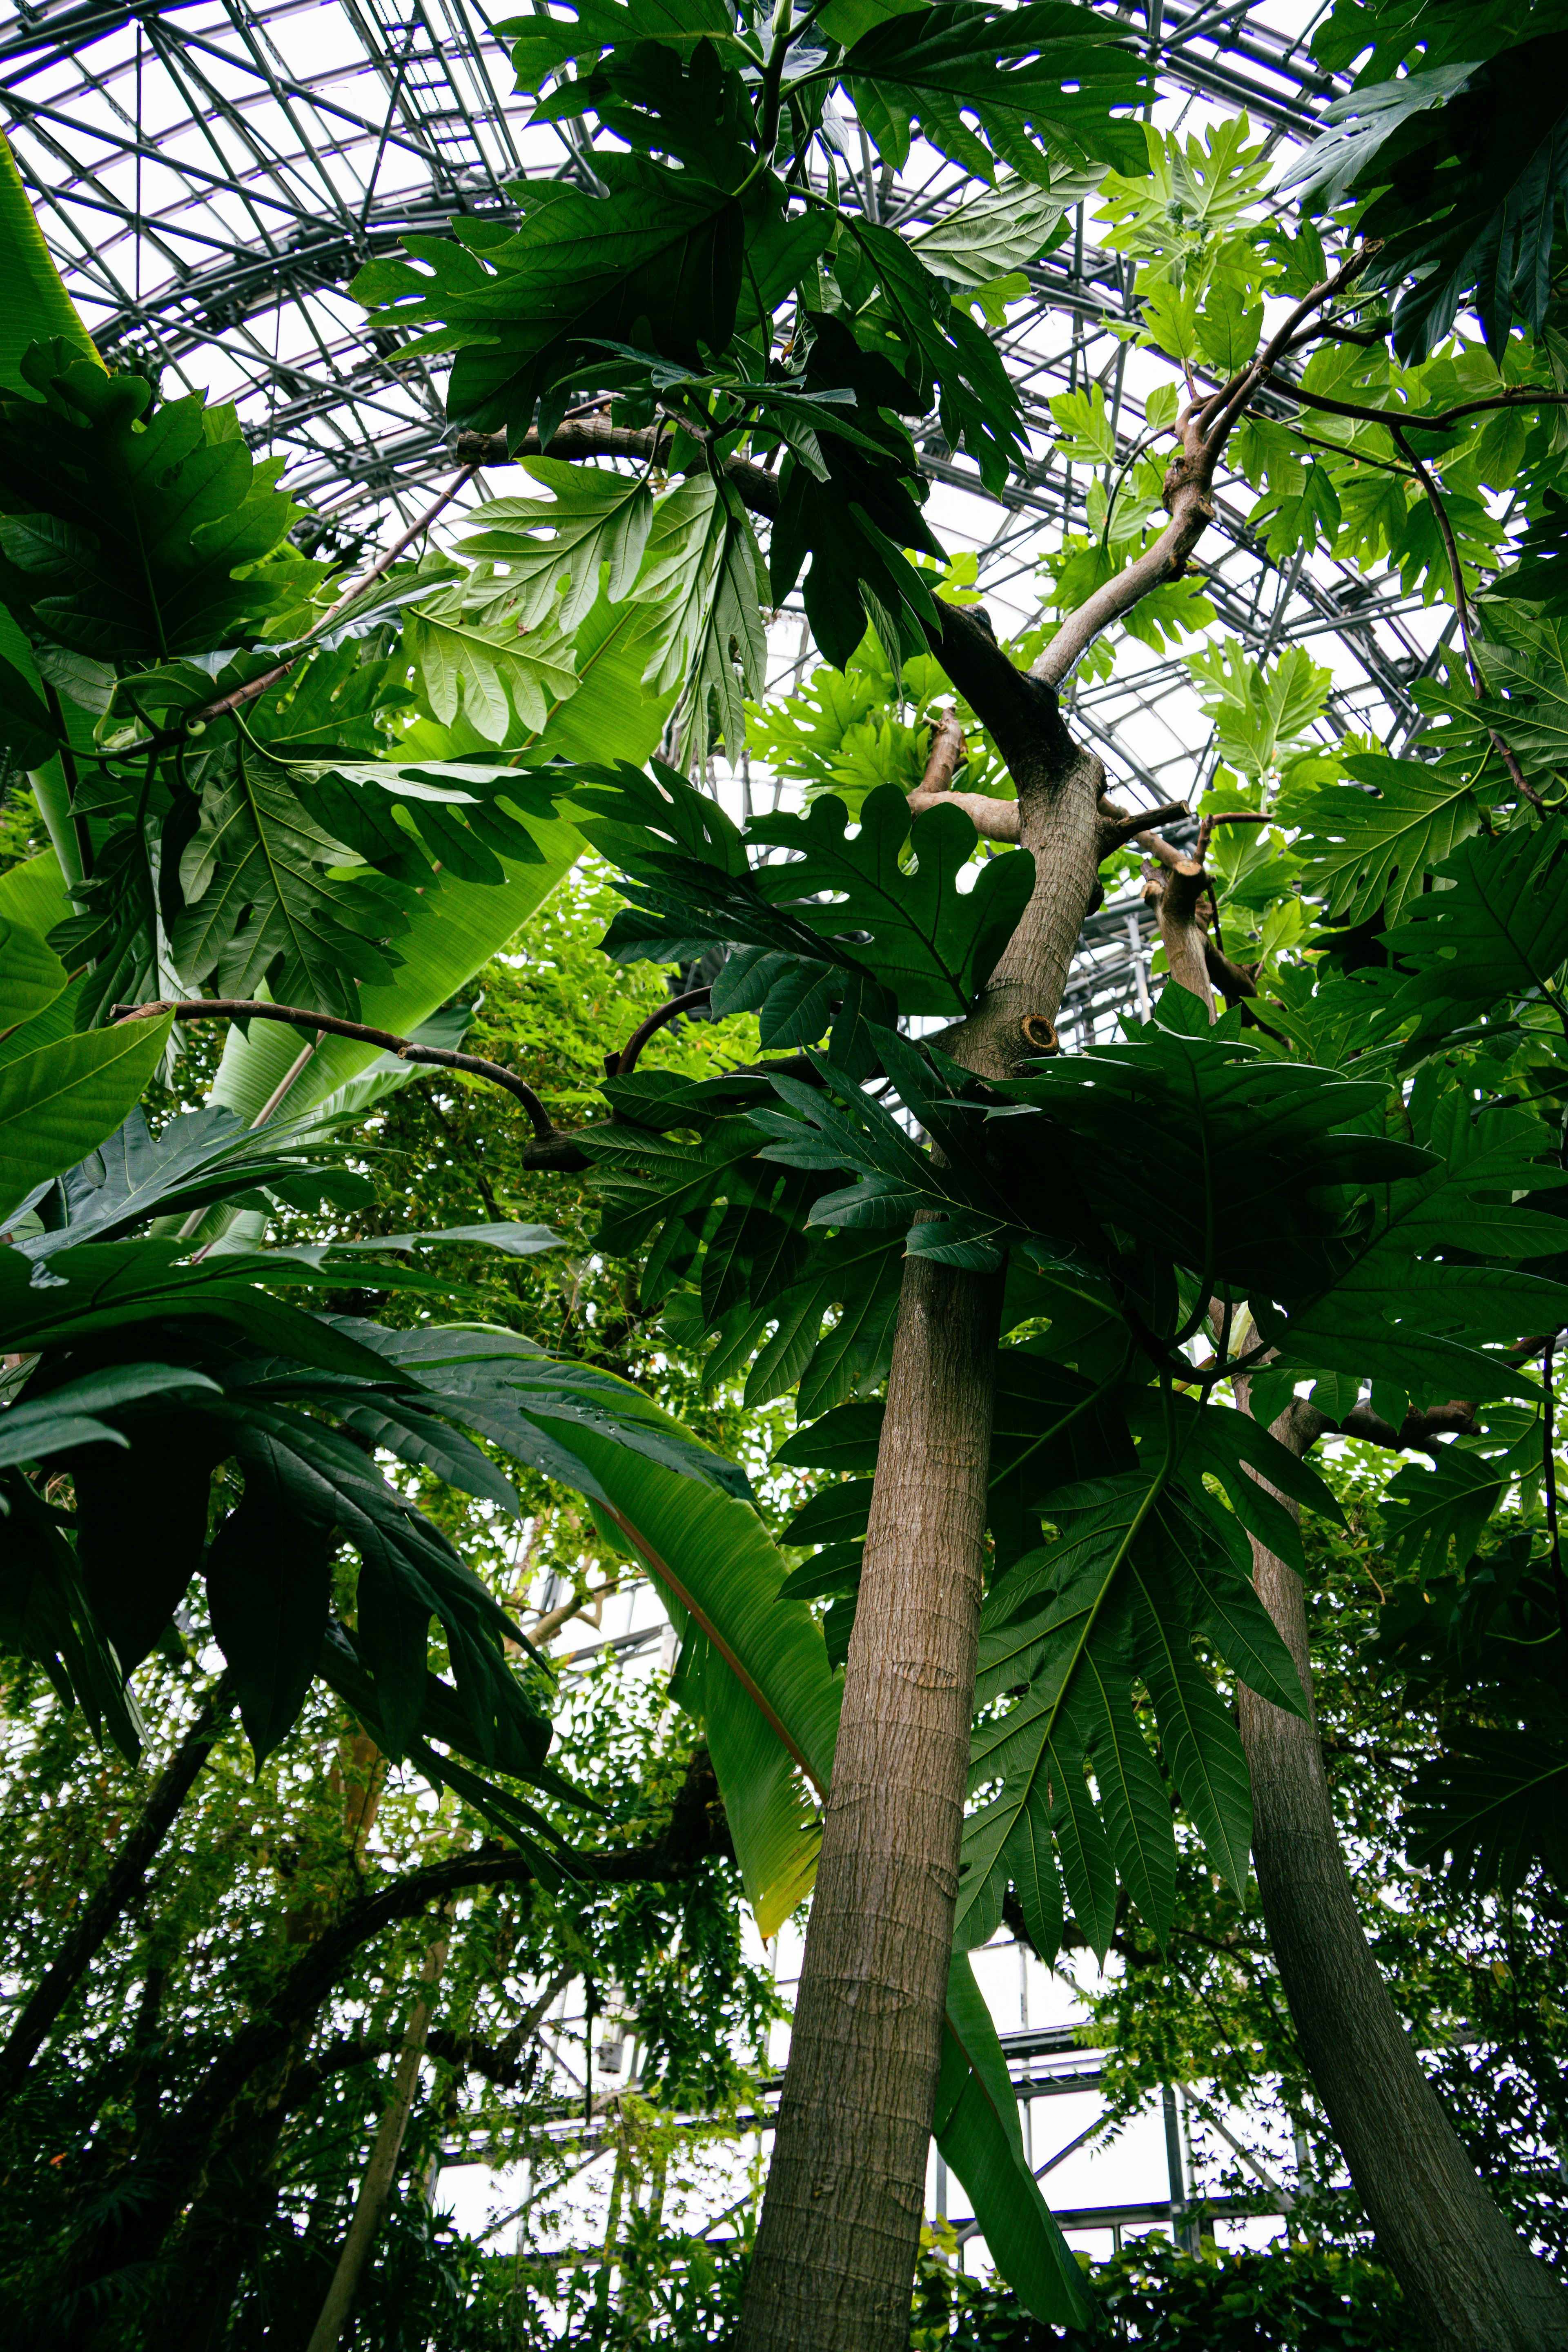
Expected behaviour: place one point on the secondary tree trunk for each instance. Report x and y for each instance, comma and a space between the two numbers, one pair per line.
840, 2226
380, 2172
1472, 2284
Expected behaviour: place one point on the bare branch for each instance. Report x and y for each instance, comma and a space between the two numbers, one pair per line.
244, 1008
1118, 826
1528, 395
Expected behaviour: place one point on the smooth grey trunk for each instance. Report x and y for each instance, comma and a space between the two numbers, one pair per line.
1471, 2282
840, 2225
380, 2172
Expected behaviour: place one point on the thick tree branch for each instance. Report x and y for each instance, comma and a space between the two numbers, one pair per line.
242, 1008
1178, 887
103, 1909
1202, 433
1118, 826
174, 2157
1516, 396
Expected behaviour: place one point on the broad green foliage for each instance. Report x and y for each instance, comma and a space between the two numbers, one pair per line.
1356, 1186
150, 1369
60, 1097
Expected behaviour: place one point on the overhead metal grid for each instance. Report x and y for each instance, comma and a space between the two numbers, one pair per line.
211, 175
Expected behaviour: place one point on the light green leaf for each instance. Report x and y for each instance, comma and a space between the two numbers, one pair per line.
593, 518
703, 575
485, 665
60, 1102
1009, 225
769, 1698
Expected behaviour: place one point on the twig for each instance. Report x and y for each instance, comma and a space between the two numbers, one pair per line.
382, 564
239, 1008
1516, 396
1462, 606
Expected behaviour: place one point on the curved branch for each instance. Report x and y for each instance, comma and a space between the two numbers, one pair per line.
945, 757
1516, 396
1202, 432
243, 1008
621, 1065
1178, 887
1462, 606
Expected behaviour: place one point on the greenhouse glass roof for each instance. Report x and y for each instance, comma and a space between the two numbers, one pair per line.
210, 177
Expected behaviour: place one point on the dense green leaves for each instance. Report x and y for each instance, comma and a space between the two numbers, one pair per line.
1040, 81
62, 1099
123, 533
521, 306
1497, 933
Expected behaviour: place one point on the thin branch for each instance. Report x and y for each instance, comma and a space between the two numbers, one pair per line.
1462, 606
621, 1065
1516, 396
1202, 432
382, 564
243, 1008
130, 1867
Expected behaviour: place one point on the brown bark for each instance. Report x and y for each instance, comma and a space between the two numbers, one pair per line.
1178, 889
1472, 2284
845, 2195
840, 2225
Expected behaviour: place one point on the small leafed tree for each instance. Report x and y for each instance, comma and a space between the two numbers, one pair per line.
1066, 1327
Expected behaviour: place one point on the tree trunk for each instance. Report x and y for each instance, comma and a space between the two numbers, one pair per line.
1472, 2284
840, 2225
380, 2172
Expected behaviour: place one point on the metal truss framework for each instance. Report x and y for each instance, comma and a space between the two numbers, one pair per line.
210, 175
